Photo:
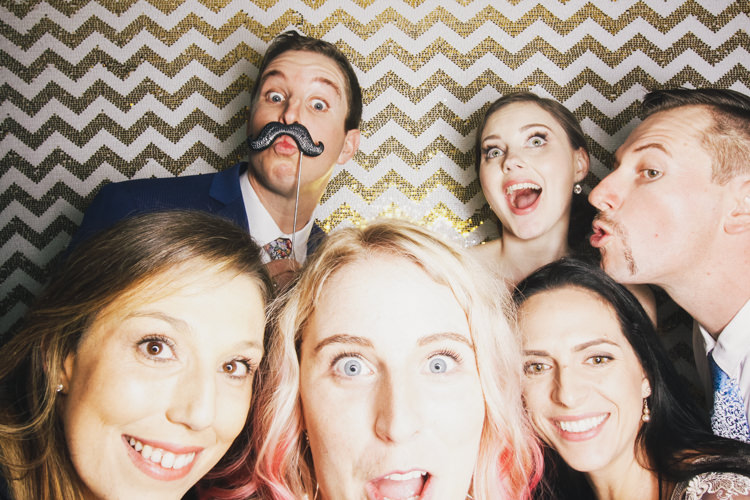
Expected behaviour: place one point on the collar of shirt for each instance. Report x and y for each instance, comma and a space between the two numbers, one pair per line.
731, 351
732, 348
264, 229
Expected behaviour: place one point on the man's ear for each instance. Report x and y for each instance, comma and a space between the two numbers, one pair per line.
581, 158
738, 219
351, 145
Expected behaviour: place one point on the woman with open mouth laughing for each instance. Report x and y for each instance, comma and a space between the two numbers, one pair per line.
390, 376
133, 375
531, 156
603, 395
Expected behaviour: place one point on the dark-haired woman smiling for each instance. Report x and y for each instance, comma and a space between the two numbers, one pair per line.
603, 395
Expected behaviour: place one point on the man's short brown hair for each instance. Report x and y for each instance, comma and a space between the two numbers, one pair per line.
727, 139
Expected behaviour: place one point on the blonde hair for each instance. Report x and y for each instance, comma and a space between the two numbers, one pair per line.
111, 266
509, 460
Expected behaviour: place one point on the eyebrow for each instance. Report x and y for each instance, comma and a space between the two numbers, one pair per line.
435, 337
493, 137
177, 323
522, 129
652, 145
364, 342
534, 125
577, 348
342, 338
251, 344
319, 79
595, 342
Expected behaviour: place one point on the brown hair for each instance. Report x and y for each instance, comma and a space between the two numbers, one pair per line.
727, 139
115, 263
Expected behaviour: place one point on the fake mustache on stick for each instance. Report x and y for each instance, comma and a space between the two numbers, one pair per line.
296, 131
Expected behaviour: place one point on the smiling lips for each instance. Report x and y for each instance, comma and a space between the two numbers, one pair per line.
522, 196
580, 429
160, 463
398, 486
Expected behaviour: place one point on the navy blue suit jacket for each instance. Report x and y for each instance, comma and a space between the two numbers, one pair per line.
217, 193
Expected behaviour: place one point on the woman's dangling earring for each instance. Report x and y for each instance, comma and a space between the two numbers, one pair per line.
317, 488
646, 414
577, 188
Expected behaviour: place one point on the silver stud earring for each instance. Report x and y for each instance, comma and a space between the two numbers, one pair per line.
58, 388
577, 188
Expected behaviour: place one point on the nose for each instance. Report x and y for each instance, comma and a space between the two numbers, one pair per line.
193, 402
512, 161
397, 416
608, 194
291, 111
570, 387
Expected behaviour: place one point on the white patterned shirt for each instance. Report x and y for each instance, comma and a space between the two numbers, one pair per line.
731, 351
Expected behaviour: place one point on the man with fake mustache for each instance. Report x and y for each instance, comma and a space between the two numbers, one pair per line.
675, 212
308, 89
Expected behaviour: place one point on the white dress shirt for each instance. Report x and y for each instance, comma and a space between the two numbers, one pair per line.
731, 352
264, 229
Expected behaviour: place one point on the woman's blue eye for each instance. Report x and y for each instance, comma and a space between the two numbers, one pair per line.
443, 362
350, 365
438, 365
353, 367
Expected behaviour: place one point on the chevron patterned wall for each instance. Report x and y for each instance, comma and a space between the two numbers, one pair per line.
106, 90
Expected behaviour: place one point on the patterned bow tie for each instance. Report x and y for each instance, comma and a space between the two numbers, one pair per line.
280, 248
728, 417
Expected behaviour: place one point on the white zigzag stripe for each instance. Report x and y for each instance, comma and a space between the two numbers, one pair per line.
39, 224
17, 243
127, 152
416, 144
192, 71
96, 40
603, 103
132, 15
415, 175
125, 119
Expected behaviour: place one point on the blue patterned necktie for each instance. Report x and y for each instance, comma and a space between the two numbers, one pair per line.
280, 248
728, 418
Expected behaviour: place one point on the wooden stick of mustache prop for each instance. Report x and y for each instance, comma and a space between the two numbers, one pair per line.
296, 131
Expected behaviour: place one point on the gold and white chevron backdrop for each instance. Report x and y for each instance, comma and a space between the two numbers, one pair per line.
96, 91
